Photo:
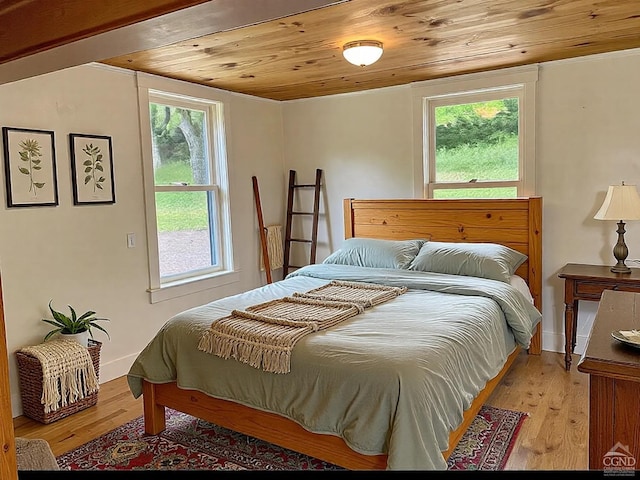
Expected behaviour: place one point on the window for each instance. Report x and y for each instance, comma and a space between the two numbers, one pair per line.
186, 191
478, 136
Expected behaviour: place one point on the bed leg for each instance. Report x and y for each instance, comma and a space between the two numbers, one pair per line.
535, 348
154, 419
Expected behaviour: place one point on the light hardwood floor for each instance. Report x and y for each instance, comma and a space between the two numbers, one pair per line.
554, 437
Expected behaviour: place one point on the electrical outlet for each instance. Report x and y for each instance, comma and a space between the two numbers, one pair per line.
131, 240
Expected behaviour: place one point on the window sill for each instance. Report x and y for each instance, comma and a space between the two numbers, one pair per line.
192, 285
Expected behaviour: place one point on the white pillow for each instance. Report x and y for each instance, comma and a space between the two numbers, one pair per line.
519, 284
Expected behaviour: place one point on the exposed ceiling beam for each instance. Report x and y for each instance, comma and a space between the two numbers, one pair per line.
101, 39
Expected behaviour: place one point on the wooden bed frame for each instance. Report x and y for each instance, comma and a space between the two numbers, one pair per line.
516, 223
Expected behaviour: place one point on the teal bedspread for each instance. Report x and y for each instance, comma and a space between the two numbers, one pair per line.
395, 379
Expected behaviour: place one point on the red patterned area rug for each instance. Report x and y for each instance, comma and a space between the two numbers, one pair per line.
488, 442
192, 444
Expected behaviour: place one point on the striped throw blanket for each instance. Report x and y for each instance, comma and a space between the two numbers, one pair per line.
264, 335
68, 374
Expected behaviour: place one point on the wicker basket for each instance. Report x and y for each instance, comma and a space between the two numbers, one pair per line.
30, 372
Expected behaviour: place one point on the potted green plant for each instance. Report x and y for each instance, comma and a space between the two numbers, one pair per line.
74, 327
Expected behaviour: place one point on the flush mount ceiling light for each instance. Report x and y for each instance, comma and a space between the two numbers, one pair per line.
362, 52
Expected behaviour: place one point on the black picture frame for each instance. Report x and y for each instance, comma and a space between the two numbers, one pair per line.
92, 169
30, 167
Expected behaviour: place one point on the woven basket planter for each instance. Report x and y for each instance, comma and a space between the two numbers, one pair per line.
30, 372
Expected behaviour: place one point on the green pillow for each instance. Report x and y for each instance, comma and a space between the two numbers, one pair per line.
376, 253
485, 260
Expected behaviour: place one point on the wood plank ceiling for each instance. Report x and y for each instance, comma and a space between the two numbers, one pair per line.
301, 56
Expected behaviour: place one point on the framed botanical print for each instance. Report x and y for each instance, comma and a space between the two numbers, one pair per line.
30, 167
91, 169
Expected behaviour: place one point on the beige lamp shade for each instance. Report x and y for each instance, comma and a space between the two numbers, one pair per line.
621, 203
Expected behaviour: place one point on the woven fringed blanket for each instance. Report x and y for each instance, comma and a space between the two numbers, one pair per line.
264, 335
68, 374
364, 294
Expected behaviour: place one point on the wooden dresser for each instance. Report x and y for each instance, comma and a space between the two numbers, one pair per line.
614, 380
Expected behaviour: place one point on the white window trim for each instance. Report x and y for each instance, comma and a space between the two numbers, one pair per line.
524, 78
229, 273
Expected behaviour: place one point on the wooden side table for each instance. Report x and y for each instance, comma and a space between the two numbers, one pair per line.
614, 385
587, 282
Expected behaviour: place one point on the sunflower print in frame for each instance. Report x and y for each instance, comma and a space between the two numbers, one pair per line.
30, 154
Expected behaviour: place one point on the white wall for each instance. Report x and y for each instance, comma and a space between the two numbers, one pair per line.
78, 255
362, 142
587, 138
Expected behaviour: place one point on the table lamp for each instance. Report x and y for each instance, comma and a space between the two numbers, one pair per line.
621, 203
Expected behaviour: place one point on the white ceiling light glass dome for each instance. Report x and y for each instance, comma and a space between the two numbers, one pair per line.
362, 52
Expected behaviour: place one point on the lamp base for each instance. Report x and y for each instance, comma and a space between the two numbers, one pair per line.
620, 251
620, 269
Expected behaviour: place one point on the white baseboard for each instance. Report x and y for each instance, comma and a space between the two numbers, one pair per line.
116, 368
16, 405
554, 342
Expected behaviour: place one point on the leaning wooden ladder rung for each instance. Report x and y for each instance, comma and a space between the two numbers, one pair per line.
291, 213
263, 230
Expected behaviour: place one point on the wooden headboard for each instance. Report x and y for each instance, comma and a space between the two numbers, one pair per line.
516, 223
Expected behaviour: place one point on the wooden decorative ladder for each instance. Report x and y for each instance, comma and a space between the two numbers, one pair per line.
263, 231
291, 213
